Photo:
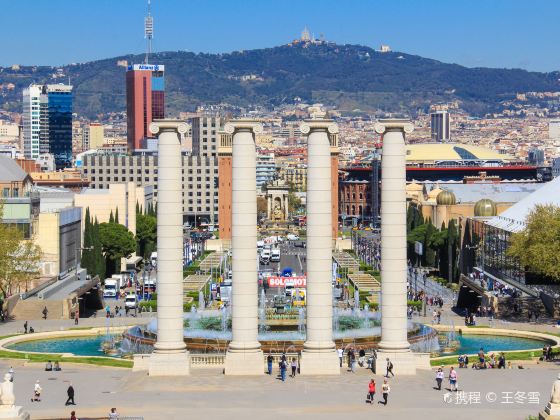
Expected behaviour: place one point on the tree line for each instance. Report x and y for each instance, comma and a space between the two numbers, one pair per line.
106, 243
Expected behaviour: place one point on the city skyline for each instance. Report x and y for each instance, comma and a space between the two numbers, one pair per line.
473, 35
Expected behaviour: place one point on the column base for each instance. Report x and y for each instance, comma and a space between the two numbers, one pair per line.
319, 362
13, 412
169, 364
244, 363
404, 362
551, 412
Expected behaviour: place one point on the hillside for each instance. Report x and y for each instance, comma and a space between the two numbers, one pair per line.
348, 76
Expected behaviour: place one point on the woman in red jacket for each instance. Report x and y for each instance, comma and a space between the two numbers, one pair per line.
371, 391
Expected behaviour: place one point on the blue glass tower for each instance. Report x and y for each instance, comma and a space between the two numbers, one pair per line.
56, 124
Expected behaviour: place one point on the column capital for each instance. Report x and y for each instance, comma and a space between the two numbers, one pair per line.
177, 126
318, 125
243, 124
393, 124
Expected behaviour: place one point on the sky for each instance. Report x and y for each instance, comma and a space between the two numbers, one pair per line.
474, 33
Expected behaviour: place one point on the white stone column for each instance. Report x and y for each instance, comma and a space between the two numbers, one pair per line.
394, 343
319, 354
244, 355
286, 208
170, 357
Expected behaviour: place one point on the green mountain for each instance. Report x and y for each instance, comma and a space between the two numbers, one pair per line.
348, 76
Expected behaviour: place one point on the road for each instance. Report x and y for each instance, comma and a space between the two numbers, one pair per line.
290, 256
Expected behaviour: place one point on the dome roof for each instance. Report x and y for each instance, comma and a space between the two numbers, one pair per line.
485, 208
446, 198
432, 195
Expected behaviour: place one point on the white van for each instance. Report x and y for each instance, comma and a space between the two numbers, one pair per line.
275, 255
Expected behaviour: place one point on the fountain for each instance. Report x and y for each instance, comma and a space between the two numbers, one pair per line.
262, 312
356, 300
301, 321
201, 304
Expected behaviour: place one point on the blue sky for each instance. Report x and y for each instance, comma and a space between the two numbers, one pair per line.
491, 33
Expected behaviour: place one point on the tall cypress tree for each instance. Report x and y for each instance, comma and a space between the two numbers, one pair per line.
117, 215
111, 217
98, 252
87, 260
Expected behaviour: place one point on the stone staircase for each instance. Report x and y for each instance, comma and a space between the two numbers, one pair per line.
32, 308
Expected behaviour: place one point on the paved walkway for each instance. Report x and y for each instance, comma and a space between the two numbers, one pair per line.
209, 394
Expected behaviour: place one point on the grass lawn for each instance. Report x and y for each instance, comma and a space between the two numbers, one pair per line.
43, 358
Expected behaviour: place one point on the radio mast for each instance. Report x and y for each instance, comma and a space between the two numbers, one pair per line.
148, 33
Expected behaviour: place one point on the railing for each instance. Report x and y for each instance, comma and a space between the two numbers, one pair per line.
199, 360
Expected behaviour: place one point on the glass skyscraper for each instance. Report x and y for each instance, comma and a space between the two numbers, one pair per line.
56, 124
47, 122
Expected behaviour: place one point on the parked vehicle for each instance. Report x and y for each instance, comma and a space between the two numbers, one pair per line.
292, 237
275, 255
300, 244
131, 301
153, 259
111, 288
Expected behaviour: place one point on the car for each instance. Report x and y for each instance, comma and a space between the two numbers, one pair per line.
131, 301
275, 255
292, 237
300, 244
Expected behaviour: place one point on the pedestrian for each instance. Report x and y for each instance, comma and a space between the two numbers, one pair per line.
389, 368
11, 372
108, 311
371, 391
45, 312
269, 360
76, 317
353, 362
385, 389
439, 378
25, 327
362, 358
283, 368
73, 415
452, 379
113, 414
37, 392
294, 367
70, 392
340, 352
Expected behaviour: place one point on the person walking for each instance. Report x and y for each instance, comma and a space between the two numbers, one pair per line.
385, 389
73, 415
70, 392
269, 360
283, 368
452, 379
45, 312
439, 378
25, 327
353, 362
76, 317
11, 372
340, 352
294, 367
389, 368
113, 414
371, 391
37, 392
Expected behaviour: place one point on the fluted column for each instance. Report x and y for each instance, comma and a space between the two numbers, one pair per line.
319, 353
244, 355
170, 357
394, 340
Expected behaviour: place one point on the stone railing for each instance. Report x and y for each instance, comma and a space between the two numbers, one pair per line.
207, 360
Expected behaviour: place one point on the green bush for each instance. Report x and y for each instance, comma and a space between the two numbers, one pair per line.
348, 323
416, 304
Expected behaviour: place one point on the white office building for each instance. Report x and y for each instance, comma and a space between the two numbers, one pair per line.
31, 121
440, 125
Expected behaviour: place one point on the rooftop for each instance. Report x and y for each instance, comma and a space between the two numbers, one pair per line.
432, 152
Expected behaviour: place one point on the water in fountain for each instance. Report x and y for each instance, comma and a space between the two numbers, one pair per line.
336, 325
428, 342
356, 300
366, 316
201, 304
262, 312
301, 321
225, 317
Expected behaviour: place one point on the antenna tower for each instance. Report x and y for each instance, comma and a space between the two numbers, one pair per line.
148, 32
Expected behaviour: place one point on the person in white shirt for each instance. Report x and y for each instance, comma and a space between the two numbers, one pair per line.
340, 352
439, 378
